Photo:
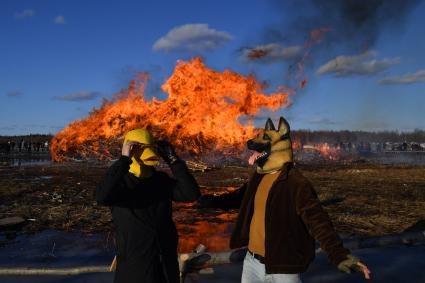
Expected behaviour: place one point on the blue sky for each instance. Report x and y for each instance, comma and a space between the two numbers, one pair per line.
58, 59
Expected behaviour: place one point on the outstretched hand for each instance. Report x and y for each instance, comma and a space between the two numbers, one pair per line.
363, 268
353, 263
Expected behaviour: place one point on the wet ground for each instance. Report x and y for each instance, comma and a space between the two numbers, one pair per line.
396, 264
53, 249
24, 159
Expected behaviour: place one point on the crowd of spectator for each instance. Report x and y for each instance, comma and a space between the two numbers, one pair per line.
24, 146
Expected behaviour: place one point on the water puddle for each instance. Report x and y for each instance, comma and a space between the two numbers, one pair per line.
45, 177
24, 160
208, 226
55, 248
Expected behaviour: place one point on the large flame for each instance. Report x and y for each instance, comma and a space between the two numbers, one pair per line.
201, 112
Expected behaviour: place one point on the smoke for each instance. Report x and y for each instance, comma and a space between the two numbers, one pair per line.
355, 24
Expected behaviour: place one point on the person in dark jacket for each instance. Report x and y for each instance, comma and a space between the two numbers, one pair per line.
141, 200
280, 216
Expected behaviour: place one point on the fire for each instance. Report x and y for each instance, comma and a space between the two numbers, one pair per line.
202, 112
328, 152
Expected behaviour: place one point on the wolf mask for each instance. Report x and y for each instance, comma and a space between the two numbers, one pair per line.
273, 148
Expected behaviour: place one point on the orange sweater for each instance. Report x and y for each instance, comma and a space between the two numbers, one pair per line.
257, 227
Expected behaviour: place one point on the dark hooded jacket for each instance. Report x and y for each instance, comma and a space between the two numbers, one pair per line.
146, 237
294, 219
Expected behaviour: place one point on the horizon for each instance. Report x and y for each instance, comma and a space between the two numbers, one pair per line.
420, 131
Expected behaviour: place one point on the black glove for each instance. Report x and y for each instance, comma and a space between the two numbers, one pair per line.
206, 201
167, 152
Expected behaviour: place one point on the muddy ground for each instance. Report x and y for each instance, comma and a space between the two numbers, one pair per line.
361, 199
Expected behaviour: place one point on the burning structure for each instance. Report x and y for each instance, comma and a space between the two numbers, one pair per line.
201, 114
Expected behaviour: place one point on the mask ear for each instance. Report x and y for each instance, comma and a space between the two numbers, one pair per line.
283, 128
269, 125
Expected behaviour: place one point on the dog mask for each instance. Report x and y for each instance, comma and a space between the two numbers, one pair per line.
273, 148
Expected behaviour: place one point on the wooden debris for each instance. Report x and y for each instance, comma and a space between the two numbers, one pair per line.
11, 221
53, 271
188, 263
198, 166
113, 265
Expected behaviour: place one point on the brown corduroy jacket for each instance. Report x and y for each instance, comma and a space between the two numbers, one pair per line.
294, 219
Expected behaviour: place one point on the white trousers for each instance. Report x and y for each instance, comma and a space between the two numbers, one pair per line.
255, 272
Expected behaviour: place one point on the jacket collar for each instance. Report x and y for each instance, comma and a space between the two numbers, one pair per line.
285, 171
283, 175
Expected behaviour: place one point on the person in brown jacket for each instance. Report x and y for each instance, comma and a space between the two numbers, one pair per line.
280, 215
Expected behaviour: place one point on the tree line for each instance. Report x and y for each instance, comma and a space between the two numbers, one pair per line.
302, 136
308, 136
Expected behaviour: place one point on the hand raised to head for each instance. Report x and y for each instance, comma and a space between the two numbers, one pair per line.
166, 151
127, 147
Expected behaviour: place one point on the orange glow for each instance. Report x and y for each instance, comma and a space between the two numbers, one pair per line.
201, 113
326, 151
215, 235
296, 145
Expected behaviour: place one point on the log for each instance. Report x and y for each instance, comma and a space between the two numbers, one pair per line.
232, 256
11, 221
113, 265
197, 166
52, 271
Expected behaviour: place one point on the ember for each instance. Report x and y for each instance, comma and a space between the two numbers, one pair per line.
257, 53
316, 35
200, 114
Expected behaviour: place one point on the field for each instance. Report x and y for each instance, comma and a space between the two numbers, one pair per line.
361, 199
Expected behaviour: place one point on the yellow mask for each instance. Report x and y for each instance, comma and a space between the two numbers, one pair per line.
145, 158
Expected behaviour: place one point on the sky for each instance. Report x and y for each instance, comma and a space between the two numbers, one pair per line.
59, 59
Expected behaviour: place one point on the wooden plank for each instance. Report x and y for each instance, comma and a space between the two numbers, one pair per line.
11, 221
